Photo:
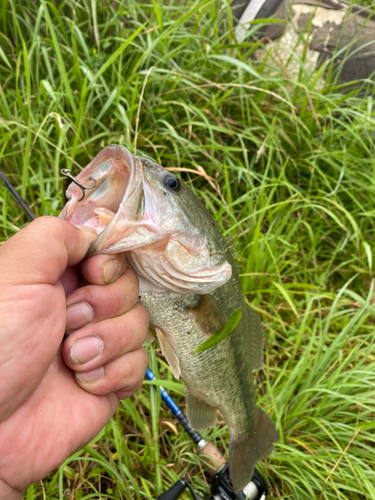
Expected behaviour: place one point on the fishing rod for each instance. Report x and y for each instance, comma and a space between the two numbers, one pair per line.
221, 486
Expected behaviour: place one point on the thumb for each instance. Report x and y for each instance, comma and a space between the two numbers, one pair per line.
41, 252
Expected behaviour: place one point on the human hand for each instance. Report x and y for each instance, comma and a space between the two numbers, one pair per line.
56, 397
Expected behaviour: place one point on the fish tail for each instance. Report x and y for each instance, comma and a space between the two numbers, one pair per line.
244, 452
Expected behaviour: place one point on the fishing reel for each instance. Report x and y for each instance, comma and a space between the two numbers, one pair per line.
221, 488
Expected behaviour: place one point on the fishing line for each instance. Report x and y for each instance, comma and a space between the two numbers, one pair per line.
17, 196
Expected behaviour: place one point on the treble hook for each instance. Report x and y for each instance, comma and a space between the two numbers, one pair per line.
67, 173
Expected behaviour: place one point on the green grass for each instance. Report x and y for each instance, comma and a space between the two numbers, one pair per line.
296, 167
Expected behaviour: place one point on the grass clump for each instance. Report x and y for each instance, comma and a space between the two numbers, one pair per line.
295, 166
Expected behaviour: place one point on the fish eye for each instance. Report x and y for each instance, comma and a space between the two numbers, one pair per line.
172, 182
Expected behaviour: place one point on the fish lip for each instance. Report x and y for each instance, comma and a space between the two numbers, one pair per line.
122, 166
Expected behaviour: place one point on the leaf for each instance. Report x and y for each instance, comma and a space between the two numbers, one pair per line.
167, 384
369, 254
239, 64
117, 53
222, 333
286, 296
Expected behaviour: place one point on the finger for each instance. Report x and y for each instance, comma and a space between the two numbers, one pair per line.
47, 245
94, 303
103, 269
96, 345
122, 376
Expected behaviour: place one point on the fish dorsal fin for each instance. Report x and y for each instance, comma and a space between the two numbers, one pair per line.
168, 352
256, 339
199, 413
209, 315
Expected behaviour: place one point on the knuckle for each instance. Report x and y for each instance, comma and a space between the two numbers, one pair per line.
124, 377
141, 316
122, 295
46, 221
125, 331
114, 297
144, 360
93, 270
98, 388
49, 225
123, 394
142, 363
141, 324
136, 370
132, 280
134, 324
55, 225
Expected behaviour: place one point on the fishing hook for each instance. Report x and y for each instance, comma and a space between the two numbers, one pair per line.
67, 173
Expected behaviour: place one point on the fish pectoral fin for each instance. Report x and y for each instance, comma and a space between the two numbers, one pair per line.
244, 452
256, 340
168, 352
150, 337
209, 314
199, 413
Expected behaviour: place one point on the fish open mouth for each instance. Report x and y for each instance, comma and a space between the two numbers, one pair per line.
118, 179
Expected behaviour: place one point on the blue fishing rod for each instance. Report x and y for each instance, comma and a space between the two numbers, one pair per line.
221, 486
177, 412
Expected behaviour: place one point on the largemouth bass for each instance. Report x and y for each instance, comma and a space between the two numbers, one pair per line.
189, 285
